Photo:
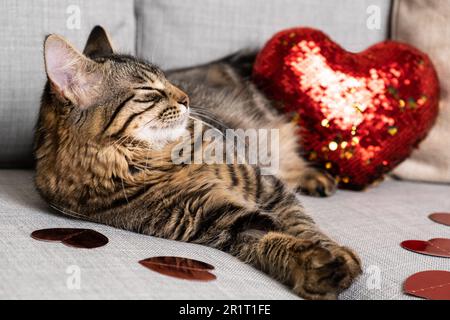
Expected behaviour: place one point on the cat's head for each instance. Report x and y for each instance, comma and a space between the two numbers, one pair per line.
104, 94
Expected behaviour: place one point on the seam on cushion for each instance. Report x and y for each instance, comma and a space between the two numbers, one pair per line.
395, 19
138, 34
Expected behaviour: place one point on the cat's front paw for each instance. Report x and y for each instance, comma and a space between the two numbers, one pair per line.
325, 271
317, 183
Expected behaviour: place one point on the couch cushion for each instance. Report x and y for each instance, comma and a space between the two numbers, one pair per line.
22, 77
176, 33
425, 25
372, 222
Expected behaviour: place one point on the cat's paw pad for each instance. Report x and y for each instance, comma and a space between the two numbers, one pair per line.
317, 183
327, 271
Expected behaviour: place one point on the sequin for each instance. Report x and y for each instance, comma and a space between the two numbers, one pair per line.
333, 146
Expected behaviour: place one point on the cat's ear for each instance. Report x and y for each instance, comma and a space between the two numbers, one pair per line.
98, 43
72, 75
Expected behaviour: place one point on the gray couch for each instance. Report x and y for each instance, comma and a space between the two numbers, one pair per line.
175, 33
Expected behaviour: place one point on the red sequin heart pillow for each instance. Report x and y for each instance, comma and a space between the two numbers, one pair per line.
359, 114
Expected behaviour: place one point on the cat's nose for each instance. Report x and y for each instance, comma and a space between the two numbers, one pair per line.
180, 96
184, 100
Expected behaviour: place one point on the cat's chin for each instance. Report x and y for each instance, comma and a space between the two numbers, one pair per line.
157, 138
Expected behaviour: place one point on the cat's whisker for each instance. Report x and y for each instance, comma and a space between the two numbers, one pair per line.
124, 192
223, 135
69, 213
206, 124
116, 144
215, 127
208, 117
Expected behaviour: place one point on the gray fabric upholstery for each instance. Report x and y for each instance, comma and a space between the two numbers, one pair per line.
372, 222
24, 24
177, 33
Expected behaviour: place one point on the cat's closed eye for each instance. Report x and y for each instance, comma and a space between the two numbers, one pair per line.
149, 98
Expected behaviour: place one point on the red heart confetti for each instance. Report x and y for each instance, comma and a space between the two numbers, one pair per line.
442, 218
72, 237
433, 285
435, 247
360, 114
181, 268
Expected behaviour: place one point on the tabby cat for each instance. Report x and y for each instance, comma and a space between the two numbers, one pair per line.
103, 144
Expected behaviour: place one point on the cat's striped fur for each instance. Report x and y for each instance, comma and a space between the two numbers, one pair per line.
103, 146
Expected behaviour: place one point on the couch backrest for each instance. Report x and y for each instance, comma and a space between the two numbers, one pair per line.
171, 33
178, 33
